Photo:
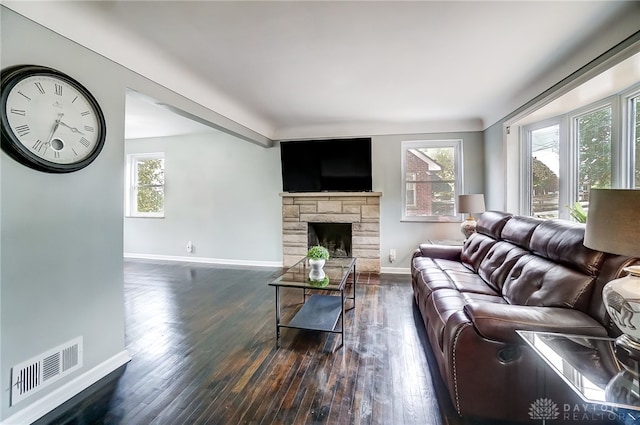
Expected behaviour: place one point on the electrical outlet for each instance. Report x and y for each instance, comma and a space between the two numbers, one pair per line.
189, 247
392, 255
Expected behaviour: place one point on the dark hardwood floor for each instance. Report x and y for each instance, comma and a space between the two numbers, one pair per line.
202, 339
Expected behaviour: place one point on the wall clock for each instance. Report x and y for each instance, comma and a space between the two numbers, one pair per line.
50, 122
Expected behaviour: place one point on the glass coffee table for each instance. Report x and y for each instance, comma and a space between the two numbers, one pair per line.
319, 311
591, 368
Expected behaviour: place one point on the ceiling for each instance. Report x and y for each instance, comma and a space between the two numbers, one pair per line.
289, 69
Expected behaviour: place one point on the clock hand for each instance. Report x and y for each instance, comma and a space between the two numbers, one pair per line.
73, 129
55, 127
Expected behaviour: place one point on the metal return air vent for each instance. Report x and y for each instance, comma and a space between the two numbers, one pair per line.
35, 374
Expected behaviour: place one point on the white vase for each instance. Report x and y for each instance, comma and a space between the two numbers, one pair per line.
316, 273
468, 227
621, 297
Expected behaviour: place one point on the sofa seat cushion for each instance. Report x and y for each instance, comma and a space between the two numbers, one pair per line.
445, 274
469, 282
456, 266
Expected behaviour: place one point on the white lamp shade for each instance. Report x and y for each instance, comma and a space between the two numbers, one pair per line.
471, 203
611, 221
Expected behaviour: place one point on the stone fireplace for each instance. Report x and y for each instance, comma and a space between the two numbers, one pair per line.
336, 237
360, 210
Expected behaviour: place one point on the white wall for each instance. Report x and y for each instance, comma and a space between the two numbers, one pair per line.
221, 194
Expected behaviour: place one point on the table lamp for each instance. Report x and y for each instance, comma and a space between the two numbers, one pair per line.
611, 227
473, 203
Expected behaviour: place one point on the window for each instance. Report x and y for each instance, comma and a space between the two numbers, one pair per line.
411, 190
432, 178
593, 138
634, 134
146, 185
597, 146
545, 165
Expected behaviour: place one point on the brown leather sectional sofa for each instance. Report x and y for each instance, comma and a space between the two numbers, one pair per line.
515, 273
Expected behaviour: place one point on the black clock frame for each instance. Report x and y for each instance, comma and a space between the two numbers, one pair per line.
10, 143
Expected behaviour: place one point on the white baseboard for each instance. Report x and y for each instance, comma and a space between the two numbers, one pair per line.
46, 404
206, 260
395, 270
229, 262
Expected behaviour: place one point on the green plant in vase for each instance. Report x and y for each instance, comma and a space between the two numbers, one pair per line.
317, 256
318, 252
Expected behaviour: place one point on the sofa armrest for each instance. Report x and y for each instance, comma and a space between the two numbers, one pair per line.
444, 252
499, 322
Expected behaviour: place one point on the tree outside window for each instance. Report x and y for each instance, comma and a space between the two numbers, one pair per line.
545, 163
594, 144
432, 171
146, 192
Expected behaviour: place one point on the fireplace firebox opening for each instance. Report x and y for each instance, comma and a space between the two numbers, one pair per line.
336, 237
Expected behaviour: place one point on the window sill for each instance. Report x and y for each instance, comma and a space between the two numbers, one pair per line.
144, 216
431, 219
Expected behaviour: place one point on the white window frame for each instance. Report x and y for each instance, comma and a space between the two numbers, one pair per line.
132, 187
622, 149
456, 144
527, 162
411, 187
628, 146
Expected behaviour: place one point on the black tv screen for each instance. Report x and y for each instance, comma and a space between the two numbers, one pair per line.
336, 165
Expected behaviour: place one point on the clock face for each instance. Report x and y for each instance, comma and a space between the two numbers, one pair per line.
50, 122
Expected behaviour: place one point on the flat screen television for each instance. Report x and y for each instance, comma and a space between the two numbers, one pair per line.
336, 165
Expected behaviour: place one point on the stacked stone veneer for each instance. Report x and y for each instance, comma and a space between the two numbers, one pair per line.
361, 209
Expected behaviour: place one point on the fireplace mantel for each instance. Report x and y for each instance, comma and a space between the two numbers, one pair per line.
361, 209
325, 194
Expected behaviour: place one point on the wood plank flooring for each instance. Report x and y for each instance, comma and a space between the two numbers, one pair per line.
202, 339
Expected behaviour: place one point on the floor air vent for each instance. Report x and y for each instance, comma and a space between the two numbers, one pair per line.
35, 374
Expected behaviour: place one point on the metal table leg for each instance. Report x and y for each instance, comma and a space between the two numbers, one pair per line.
342, 329
277, 317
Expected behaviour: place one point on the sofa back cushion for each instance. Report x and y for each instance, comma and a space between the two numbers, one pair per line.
498, 262
488, 231
475, 249
561, 241
491, 223
519, 230
537, 281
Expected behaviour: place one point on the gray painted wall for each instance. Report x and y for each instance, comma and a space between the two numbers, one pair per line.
495, 168
404, 237
216, 187
221, 194
61, 235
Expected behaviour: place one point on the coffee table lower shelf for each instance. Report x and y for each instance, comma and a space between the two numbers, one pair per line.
318, 313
